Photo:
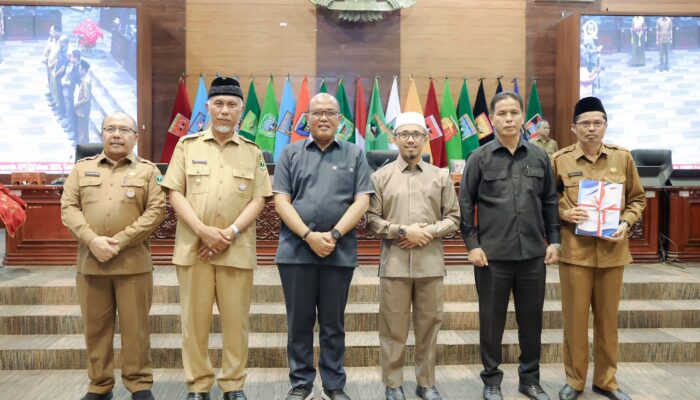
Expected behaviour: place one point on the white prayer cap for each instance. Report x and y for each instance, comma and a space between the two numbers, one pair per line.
410, 118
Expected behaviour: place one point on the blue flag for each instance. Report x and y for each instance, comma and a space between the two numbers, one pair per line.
515, 86
200, 116
285, 119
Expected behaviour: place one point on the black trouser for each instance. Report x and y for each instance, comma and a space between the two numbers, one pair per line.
68, 93
494, 284
308, 288
663, 55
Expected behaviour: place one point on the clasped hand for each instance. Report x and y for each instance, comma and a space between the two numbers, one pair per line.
416, 236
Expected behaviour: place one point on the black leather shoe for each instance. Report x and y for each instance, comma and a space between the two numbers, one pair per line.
533, 391
300, 393
616, 394
96, 396
197, 396
235, 395
569, 393
142, 395
394, 393
337, 394
492, 392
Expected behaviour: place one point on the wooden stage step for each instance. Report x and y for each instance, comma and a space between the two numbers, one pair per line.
56, 285
268, 350
41, 328
642, 381
272, 317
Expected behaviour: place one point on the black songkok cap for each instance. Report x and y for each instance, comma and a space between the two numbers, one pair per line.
588, 104
222, 86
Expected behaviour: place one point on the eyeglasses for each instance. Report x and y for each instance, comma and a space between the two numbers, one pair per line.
594, 124
415, 135
113, 129
321, 113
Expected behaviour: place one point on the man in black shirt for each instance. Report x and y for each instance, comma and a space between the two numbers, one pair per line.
511, 182
322, 188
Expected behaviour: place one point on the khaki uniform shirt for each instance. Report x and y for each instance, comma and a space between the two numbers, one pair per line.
122, 201
404, 196
614, 164
548, 145
664, 31
218, 182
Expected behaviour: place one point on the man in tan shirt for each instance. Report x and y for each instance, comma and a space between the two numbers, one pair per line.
414, 205
591, 268
112, 203
664, 39
543, 139
218, 183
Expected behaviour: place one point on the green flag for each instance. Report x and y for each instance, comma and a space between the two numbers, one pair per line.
377, 132
249, 122
323, 88
267, 125
346, 128
467, 126
533, 106
450, 127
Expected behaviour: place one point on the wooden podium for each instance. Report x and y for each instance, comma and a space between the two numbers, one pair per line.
684, 223
43, 240
644, 235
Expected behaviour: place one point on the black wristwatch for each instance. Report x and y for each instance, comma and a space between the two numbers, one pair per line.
402, 232
308, 232
336, 234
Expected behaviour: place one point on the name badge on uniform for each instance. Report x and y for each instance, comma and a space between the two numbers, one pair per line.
203, 162
92, 173
130, 193
576, 173
242, 187
613, 170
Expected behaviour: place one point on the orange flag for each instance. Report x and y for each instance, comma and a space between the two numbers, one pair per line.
412, 103
300, 129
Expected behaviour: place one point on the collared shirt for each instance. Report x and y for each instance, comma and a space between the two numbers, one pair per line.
614, 164
218, 182
322, 185
516, 198
122, 201
405, 196
664, 30
84, 98
549, 145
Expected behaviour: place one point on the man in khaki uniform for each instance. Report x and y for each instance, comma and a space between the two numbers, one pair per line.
413, 206
218, 183
112, 203
591, 268
543, 139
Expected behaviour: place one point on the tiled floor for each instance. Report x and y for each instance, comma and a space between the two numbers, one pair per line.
642, 381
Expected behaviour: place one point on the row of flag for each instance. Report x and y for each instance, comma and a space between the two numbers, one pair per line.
455, 130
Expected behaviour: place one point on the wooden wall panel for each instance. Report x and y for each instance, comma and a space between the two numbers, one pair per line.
166, 22
245, 38
542, 22
351, 49
457, 38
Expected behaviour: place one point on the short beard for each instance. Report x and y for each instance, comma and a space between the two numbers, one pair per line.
222, 129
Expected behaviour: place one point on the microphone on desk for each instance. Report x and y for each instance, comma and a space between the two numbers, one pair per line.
62, 179
386, 161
